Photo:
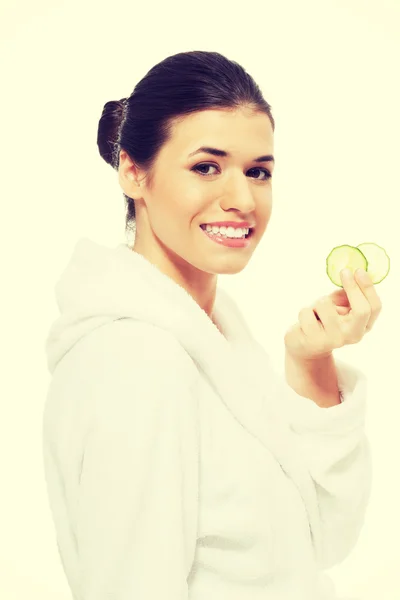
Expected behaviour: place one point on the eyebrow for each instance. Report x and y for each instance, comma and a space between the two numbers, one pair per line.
216, 152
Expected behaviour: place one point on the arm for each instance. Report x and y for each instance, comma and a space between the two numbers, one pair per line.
314, 379
332, 439
137, 511
336, 450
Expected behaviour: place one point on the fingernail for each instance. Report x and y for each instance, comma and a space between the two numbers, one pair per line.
363, 275
347, 274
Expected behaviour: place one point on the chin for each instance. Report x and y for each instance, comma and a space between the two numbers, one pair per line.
226, 267
231, 269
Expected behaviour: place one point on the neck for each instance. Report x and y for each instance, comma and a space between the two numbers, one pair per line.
200, 285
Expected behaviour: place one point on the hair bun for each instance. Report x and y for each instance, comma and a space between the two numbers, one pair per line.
109, 130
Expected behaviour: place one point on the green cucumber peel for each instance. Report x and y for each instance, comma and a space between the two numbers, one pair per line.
368, 256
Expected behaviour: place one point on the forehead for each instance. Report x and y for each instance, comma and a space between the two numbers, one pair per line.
239, 132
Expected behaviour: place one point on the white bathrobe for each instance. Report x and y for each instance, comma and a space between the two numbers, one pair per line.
179, 465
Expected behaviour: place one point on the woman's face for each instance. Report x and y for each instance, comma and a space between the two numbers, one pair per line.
189, 191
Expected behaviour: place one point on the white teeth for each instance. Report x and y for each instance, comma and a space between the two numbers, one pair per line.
232, 232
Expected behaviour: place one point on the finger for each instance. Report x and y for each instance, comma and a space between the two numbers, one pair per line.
296, 339
361, 310
330, 320
368, 289
312, 331
343, 310
309, 322
339, 297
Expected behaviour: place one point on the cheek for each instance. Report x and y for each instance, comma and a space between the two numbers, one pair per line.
174, 213
189, 203
264, 205
182, 193
196, 197
264, 213
268, 211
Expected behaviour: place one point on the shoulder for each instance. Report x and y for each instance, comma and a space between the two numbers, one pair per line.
125, 365
135, 344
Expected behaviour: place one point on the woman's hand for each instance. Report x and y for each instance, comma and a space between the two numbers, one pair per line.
336, 320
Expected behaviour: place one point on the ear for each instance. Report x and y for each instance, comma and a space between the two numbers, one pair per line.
129, 176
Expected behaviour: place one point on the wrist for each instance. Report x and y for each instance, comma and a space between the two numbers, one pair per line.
315, 378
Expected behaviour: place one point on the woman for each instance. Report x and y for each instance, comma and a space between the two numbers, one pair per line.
178, 464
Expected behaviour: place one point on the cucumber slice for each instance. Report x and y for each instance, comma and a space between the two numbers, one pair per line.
368, 256
342, 257
378, 261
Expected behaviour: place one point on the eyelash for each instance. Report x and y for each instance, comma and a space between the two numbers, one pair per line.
268, 173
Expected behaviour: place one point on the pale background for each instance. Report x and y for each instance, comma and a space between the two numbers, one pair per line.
330, 71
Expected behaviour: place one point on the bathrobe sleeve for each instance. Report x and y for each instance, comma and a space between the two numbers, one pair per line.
336, 451
332, 442
137, 506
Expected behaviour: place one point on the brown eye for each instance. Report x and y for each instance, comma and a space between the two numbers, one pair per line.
267, 173
204, 166
197, 168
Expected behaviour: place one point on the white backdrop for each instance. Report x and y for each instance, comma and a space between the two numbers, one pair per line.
330, 71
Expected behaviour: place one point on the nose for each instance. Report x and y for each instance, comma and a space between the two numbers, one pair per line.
238, 194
